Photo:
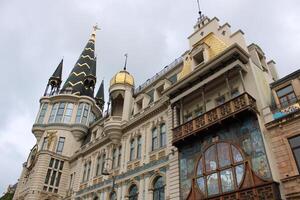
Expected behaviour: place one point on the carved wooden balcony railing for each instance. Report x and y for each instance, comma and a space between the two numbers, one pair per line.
230, 108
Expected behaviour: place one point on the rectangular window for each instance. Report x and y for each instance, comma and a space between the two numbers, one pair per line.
79, 112
220, 100
114, 159
139, 147
68, 113
286, 96
295, 146
163, 135
98, 166
45, 143
119, 156
154, 139
53, 113
132, 149
53, 175
42, 113
60, 145
60, 112
235, 92
198, 111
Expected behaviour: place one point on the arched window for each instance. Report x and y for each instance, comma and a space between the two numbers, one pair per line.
139, 147
159, 189
133, 192
132, 149
154, 139
163, 135
220, 169
113, 196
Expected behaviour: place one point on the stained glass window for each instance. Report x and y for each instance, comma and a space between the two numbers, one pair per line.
220, 169
223, 154
210, 158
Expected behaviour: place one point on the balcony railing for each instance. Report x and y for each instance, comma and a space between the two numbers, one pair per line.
233, 106
285, 108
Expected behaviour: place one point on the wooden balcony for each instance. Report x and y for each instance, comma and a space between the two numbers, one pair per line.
234, 106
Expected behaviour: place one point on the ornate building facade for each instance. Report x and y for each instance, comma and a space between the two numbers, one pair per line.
196, 130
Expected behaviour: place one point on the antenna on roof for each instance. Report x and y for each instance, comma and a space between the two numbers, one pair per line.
125, 65
199, 10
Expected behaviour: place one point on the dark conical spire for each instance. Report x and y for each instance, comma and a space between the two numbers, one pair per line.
100, 96
58, 72
84, 67
55, 80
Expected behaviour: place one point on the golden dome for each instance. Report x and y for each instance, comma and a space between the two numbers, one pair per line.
122, 77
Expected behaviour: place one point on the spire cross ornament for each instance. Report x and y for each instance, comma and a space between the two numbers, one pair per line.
96, 27
125, 65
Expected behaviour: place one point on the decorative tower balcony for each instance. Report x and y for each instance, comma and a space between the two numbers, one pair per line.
231, 108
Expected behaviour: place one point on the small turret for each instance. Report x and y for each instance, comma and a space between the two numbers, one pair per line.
55, 80
100, 96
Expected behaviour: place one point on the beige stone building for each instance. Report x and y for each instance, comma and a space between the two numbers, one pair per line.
195, 130
283, 123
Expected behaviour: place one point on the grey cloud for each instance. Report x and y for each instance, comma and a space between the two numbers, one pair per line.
36, 34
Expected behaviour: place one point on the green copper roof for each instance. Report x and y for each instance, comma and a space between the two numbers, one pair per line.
85, 65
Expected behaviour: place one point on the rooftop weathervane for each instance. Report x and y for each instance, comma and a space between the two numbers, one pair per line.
199, 10
125, 65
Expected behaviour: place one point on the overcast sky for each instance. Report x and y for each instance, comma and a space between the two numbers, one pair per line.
36, 34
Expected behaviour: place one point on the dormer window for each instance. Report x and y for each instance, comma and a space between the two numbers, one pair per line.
286, 96
198, 58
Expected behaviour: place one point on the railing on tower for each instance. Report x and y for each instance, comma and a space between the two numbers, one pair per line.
158, 75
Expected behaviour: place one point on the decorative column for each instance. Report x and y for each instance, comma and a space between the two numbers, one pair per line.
242, 79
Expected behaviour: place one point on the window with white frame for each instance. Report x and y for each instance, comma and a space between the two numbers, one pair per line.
86, 171
154, 139
159, 140
132, 147
61, 112
53, 175
82, 113
45, 143
139, 147
60, 145
42, 113
114, 158
119, 156
163, 135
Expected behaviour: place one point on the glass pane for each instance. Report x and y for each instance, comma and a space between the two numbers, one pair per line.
237, 156
295, 142
212, 184
297, 156
159, 183
285, 91
200, 167
223, 154
227, 180
239, 171
210, 159
201, 184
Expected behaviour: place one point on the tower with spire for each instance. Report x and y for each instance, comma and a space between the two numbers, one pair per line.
62, 125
